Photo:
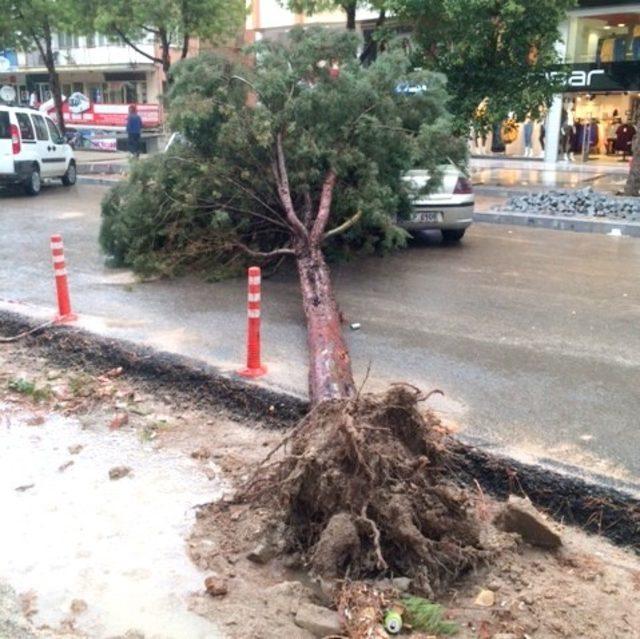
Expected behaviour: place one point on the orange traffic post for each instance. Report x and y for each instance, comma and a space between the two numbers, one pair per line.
254, 365
62, 286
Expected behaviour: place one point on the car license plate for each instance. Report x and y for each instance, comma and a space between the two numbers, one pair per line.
429, 216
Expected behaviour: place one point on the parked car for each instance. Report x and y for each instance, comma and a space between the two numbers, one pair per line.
448, 209
32, 149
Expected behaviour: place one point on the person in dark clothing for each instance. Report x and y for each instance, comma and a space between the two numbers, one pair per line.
134, 129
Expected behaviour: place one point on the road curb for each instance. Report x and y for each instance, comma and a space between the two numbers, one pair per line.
560, 223
99, 181
597, 504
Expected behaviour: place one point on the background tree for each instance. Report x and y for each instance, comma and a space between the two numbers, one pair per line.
33, 24
298, 160
171, 23
496, 49
350, 7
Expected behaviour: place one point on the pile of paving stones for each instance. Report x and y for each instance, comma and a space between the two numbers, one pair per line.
584, 202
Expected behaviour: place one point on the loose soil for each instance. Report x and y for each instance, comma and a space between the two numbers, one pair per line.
587, 589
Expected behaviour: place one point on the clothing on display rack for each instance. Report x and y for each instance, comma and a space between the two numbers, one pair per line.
624, 137
567, 135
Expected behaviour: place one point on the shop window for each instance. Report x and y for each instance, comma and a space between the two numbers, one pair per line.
606, 37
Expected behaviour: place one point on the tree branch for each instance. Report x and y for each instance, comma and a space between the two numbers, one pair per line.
130, 43
324, 208
185, 45
284, 192
262, 255
346, 225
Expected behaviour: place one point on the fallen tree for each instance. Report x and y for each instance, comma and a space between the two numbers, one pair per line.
303, 154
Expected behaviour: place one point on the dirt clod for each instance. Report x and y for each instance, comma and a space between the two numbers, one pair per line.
215, 586
201, 453
485, 598
319, 621
78, 606
520, 516
118, 472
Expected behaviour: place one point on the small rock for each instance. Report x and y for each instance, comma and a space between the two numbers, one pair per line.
78, 606
401, 583
494, 585
36, 420
118, 472
485, 598
528, 599
505, 635
216, 587
317, 620
119, 421
262, 553
74, 450
201, 453
520, 516
66, 465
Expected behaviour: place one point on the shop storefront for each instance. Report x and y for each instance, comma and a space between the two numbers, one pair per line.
596, 117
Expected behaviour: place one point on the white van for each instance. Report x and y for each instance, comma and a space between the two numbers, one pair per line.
32, 149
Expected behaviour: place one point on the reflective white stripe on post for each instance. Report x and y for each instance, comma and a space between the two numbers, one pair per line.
254, 280
57, 259
254, 297
253, 313
59, 272
57, 245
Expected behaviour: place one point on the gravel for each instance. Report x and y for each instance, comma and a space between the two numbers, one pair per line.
581, 202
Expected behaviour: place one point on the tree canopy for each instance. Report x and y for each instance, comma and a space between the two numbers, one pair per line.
350, 7
31, 24
496, 49
171, 23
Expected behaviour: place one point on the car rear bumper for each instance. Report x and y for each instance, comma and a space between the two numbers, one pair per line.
448, 217
20, 173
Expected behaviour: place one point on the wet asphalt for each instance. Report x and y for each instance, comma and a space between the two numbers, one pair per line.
532, 334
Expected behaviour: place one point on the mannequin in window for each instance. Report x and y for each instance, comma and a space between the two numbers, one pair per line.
624, 138
528, 137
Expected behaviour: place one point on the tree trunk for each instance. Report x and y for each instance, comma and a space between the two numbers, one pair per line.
56, 92
54, 78
350, 9
632, 186
330, 374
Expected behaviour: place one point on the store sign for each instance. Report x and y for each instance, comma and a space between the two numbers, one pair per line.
8, 61
7, 94
614, 76
80, 111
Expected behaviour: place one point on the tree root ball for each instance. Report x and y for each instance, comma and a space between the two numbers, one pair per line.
366, 488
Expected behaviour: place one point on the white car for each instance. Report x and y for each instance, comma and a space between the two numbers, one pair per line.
448, 209
32, 149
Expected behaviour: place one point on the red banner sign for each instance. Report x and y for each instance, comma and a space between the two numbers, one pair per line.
80, 111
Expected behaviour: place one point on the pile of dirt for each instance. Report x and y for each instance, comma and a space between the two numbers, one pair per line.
365, 489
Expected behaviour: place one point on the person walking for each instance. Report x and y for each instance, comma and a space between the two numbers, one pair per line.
134, 129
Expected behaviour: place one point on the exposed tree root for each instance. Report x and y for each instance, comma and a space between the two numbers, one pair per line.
367, 489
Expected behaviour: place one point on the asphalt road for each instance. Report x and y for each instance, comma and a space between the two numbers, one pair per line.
532, 334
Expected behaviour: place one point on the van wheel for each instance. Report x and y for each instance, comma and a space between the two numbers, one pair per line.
452, 235
34, 182
70, 177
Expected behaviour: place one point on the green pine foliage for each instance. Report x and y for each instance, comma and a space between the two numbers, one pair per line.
196, 206
425, 616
